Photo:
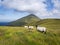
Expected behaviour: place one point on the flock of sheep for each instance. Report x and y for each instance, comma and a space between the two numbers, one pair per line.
38, 28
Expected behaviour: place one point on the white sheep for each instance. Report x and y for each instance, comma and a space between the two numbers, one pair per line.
41, 29
30, 27
26, 27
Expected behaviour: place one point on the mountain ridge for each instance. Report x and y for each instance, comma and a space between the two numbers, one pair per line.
25, 20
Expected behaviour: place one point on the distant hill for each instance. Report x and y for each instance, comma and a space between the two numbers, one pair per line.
46, 22
25, 20
50, 24
34, 20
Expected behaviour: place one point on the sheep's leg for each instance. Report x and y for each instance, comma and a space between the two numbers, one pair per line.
29, 29
41, 31
45, 32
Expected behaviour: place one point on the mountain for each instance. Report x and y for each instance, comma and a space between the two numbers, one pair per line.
46, 22
25, 20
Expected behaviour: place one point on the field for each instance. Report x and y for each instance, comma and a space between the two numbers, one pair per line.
21, 36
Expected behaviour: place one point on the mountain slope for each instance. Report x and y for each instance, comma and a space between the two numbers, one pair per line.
21, 35
50, 24
25, 20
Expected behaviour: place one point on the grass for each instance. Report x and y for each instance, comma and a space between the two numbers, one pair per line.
21, 36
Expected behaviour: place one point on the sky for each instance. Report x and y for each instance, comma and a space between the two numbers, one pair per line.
11, 10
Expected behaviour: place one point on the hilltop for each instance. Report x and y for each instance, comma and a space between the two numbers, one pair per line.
25, 20
21, 36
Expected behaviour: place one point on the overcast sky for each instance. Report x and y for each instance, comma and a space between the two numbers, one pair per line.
14, 9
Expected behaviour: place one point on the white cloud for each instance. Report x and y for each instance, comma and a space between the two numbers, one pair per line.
56, 9
33, 6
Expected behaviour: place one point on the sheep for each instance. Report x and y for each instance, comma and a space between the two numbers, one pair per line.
29, 27
26, 27
41, 29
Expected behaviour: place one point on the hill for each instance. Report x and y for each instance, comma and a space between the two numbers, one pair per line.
21, 36
50, 24
25, 20
46, 22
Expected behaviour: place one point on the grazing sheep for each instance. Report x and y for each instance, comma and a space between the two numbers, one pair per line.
29, 27
26, 27
41, 29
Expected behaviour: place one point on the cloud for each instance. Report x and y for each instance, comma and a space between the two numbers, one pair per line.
56, 10
38, 7
31, 6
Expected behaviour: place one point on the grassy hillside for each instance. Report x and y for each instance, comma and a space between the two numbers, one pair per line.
22, 36
50, 23
25, 20
47, 22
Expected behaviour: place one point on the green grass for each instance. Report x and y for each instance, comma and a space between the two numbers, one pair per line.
21, 36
